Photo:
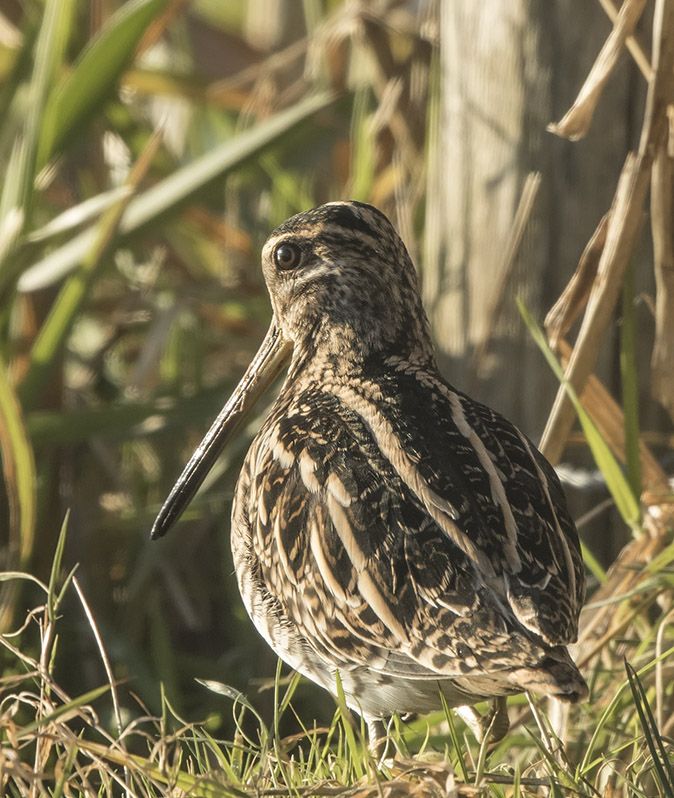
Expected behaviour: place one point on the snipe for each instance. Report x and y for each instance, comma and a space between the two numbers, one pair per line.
386, 527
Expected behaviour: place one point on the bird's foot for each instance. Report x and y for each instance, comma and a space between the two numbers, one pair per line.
493, 726
381, 745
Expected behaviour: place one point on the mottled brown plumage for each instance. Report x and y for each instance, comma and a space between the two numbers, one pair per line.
386, 527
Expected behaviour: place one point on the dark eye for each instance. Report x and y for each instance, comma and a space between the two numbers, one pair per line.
287, 256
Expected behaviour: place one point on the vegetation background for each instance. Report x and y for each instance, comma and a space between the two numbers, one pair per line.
147, 148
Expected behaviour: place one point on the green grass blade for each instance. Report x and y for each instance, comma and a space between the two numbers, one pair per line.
77, 216
12, 205
630, 384
232, 693
65, 772
517, 792
290, 691
21, 171
6, 576
87, 87
617, 484
18, 74
354, 750
661, 762
19, 480
363, 158
19, 470
607, 716
454, 738
52, 597
662, 560
593, 564
170, 194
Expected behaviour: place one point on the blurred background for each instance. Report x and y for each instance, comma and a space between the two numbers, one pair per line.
147, 149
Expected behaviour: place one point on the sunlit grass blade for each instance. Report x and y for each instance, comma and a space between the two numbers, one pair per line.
77, 215
516, 782
11, 220
7, 576
289, 692
239, 699
97, 70
171, 193
662, 560
616, 482
661, 763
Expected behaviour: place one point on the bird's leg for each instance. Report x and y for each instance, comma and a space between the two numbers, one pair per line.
495, 724
498, 719
472, 718
379, 741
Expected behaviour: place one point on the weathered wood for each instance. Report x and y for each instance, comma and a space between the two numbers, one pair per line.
571, 302
508, 69
623, 228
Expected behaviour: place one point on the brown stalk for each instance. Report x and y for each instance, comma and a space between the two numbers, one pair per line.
574, 297
640, 56
576, 121
622, 232
600, 625
159, 25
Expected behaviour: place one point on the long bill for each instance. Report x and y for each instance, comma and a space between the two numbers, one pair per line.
270, 359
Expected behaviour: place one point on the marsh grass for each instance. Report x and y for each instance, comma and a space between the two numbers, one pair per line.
105, 741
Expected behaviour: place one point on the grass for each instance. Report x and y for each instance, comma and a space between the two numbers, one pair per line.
106, 742
137, 187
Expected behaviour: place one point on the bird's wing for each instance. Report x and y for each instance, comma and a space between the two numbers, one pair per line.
487, 487
376, 564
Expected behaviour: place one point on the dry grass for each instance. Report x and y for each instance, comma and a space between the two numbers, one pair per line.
105, 742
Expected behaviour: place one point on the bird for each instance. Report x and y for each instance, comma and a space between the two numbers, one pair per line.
390, 534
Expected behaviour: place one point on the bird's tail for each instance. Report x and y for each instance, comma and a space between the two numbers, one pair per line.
556, 675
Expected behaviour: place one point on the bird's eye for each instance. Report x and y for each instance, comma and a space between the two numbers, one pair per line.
286, 256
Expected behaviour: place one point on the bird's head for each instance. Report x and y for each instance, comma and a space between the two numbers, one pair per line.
342, 288
340, 279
